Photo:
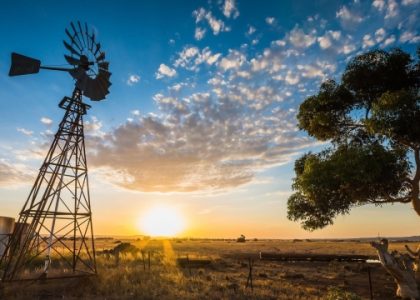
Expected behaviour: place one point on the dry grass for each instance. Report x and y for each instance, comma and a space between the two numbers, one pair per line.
224, 278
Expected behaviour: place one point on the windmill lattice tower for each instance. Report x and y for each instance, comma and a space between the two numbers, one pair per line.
54, 234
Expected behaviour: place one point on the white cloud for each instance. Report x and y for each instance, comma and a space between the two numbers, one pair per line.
230, 9
347, 17
25, 131
347, 48
270, 20
380, 35
251, 30
410, 2
46, 121
367, 41
164, 70
379, 4
133, 79
298, 38
324, 42
13, 174
409, 37
191, 57
392, 9
216, 25
390, 40
135, 112
233, 60
205, 143
291, 78
199, 33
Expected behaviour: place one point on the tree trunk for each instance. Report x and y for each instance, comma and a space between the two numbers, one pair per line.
402, 267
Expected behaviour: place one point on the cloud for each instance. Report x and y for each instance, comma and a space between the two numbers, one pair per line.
380, 35
388, 41
25, 131
135, 112
367, 41
347, 17
216, 25
230, 9
209, 142
191, 58
410, 2
409, 37
392, 9
299, 39
165, 71
251, 30
379, 4
291, 78
270, 20
13, 174
133, 79
326, 41
233, 61
46, 121
199, 33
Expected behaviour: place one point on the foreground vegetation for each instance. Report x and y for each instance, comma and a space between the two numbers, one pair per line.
225, 277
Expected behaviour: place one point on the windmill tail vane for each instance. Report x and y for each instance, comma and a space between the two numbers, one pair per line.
53, 237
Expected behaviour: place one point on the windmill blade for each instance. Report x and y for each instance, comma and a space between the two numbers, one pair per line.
103, 65
71, 49
87, 36
72, 40
82, 82
93, 42
105, 73
100, 56
73, 61
98, 46
75, 33
81, 34
77, 73
22, 65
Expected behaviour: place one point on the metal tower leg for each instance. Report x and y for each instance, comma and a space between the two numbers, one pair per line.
54, 235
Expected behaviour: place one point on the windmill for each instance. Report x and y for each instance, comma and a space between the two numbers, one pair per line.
54, 234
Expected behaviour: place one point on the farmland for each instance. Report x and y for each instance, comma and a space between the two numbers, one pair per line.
218, 269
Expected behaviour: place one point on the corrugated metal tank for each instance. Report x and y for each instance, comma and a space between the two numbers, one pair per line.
23, 229
7, 225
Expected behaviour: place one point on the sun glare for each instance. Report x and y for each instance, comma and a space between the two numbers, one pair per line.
162, 221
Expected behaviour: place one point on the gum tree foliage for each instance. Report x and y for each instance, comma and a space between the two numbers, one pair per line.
371, 120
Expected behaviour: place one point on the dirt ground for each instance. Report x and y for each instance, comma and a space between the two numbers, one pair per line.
224, 276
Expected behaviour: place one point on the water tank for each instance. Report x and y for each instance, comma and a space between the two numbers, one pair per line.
7, 225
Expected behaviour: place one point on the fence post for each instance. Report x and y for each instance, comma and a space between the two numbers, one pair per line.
249, 280
370, 284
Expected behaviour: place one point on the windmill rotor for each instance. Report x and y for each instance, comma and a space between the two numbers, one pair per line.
89, 68
90, 72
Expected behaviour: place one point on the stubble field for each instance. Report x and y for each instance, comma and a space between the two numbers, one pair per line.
218, 269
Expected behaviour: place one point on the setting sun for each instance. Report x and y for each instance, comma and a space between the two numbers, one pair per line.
161, 221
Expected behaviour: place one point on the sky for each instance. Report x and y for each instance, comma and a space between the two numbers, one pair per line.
201, 115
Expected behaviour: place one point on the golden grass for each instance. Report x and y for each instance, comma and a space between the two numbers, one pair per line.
224, 278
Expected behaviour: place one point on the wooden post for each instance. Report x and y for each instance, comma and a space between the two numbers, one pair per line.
148, 259
370, 284
249, 280
143, 259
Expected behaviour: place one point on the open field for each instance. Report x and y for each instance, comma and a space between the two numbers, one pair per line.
224, 276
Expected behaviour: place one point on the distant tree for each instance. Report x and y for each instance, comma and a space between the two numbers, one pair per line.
371, 120
241, 239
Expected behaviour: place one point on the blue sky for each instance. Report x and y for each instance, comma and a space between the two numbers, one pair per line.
201, 114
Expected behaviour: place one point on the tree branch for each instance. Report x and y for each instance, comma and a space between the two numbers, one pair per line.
390, 199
